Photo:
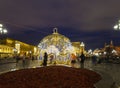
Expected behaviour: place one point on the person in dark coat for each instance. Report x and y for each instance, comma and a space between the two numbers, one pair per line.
45, 59
94, 59
82, 57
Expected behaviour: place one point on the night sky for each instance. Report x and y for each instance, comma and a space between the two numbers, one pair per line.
89, 21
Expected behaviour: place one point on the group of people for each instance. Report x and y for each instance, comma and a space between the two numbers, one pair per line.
24, 58
80, 59
73, 59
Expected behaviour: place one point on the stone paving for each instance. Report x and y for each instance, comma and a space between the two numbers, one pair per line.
109, 72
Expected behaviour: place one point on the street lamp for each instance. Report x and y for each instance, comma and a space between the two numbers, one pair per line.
2, 29
117, 26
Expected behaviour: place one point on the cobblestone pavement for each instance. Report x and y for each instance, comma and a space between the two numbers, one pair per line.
109, 72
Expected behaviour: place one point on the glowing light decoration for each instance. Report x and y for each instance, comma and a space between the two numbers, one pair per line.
57, 44
52, 50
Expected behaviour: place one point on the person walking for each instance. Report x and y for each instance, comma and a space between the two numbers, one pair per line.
17, 59
45, 59
82, 57
73, 60
23, 60
94, 60
51, 59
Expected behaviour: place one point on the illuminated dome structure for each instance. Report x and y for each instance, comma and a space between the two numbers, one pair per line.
57, 45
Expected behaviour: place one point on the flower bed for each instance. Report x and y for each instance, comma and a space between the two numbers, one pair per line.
50, 77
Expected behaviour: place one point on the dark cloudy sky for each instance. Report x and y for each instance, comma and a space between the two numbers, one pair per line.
90, 21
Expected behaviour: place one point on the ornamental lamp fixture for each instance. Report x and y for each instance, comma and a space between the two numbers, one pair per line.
2, 29
117, 26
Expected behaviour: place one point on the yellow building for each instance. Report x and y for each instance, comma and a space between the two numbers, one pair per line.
79, 47
11, 47
6, 51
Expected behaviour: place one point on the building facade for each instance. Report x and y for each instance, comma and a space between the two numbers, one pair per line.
10, 47
79, 47
108, 50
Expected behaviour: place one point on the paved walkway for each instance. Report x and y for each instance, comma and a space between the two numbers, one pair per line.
109, 72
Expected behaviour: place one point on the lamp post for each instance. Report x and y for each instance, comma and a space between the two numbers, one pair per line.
2, 29
117, 26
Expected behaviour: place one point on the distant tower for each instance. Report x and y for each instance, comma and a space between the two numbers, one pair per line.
111, 44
